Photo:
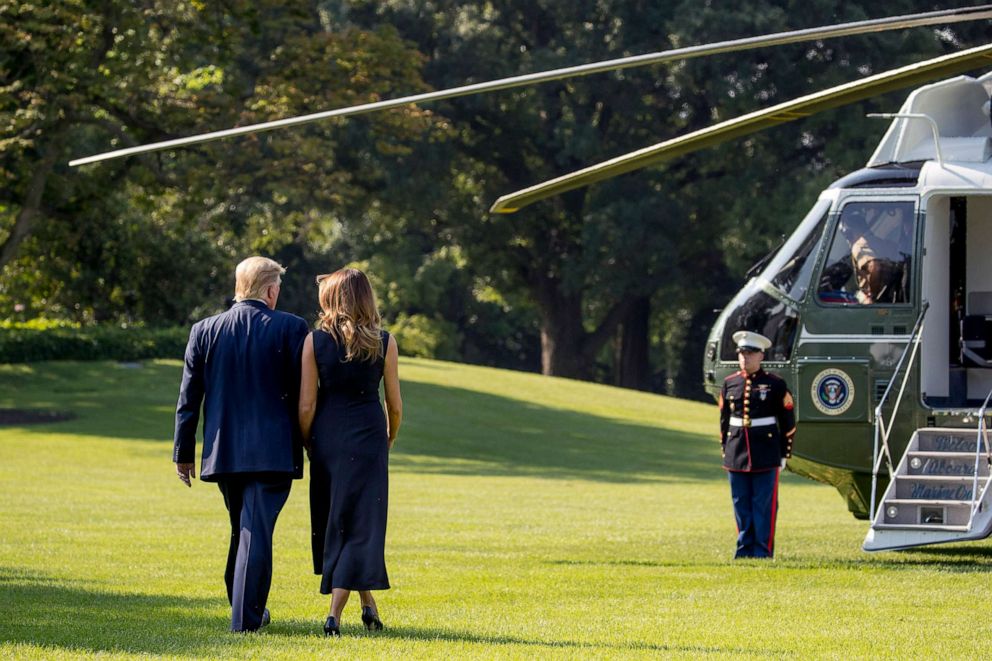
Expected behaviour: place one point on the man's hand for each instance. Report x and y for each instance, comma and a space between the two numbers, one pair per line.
784, 460
186, 472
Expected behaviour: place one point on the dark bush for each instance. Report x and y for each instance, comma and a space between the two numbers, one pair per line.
28, 345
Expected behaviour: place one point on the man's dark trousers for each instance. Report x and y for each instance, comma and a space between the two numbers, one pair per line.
242, 367
253, 504
755, 496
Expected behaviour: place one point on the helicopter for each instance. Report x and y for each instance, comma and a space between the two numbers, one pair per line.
845, 300
852, 331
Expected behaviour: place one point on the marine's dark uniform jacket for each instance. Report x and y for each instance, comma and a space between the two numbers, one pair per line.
757, 421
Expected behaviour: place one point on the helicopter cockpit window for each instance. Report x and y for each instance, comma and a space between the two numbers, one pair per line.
870, 260
790, 270
756, 310
790, 273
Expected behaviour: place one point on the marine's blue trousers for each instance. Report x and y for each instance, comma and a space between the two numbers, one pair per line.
755, 497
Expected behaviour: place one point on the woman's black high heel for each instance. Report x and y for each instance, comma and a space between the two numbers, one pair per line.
331, 627
371, 619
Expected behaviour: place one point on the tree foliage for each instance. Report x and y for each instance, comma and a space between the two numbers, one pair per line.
615, 282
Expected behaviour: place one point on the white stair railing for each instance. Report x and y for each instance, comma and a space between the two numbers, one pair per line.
882, 430
982, 439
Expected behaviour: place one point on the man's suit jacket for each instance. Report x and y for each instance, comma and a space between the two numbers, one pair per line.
243, 365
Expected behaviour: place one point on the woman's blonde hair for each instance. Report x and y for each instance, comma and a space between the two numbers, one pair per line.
349, 313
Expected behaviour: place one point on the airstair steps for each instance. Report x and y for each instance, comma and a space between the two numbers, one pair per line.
934, 503
930, 498
945, 463
936, 478
938, 439
923, 527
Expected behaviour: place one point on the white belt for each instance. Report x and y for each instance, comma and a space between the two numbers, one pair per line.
753, 422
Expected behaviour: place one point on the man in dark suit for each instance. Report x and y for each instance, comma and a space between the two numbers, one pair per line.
243, 365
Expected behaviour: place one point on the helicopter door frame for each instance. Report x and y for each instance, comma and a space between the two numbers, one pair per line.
847, 348
945, 386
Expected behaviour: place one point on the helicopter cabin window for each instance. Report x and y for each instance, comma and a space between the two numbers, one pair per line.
870, 259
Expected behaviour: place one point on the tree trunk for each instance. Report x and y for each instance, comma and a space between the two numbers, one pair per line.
688, 377
567, 349
631, 364
562, 338
24, 223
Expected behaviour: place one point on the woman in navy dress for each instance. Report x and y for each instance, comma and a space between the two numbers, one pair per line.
348, 438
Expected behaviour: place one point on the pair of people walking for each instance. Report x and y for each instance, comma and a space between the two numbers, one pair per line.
270, 388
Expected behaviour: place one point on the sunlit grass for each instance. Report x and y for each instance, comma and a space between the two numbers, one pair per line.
529, 517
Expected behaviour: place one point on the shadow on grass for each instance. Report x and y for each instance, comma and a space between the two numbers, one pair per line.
969, 557
463, 432
958, 559
109, 399
965, 563
446, 430
45, 611
40, 610
437, 634
628, 563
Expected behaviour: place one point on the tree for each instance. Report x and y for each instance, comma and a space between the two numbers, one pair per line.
593, 260
154, 238
569, 265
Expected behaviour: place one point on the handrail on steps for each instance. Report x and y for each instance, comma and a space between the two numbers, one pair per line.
983, 436
882, 430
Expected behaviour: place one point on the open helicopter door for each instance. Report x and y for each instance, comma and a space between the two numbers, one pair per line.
939, 490
956, 348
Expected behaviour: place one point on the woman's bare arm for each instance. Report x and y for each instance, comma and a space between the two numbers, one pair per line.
308, 390
391, 380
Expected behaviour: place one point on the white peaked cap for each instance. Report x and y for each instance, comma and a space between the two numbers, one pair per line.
750, 340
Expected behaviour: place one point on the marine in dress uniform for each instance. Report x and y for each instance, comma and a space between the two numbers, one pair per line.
757, 425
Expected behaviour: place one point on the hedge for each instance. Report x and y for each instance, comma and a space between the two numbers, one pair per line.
28, 345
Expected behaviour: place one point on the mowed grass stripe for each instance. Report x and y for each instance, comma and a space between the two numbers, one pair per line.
529, 517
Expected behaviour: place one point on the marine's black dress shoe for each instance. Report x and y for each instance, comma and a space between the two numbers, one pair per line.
266, 618
371, 619
331, 627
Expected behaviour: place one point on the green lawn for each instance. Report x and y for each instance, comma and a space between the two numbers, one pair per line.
529, 517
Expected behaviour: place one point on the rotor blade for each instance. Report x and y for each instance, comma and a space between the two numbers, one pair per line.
805, 106
809, 34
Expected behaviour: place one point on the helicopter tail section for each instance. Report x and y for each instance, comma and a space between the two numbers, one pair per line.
939, 492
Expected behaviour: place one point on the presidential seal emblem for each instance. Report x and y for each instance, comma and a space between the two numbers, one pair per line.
832, 392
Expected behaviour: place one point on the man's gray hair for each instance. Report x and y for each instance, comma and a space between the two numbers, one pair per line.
253, 275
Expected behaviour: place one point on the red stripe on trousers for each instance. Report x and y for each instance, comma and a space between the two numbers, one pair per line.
771, 535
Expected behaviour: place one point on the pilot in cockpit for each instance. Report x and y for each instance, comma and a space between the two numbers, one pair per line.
881, 242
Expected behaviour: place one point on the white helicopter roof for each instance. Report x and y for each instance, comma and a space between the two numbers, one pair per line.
955, 176
960, 109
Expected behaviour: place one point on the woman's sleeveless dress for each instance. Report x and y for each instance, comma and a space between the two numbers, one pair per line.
349, 462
